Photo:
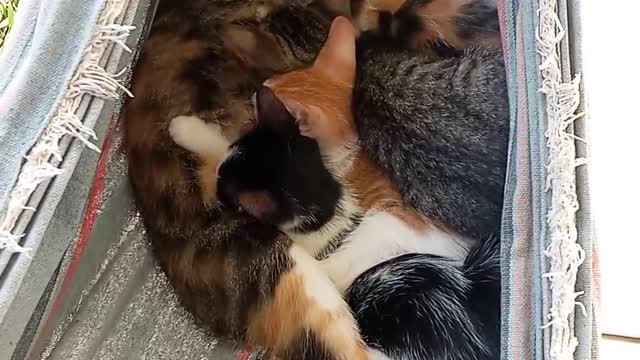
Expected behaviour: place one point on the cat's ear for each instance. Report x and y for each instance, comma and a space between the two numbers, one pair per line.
311, 120
337, 58
270, 111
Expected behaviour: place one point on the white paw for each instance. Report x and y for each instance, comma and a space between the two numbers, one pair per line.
182, 128
193, 134
262, 11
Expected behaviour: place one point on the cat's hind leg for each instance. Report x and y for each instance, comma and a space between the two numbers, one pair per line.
307, 318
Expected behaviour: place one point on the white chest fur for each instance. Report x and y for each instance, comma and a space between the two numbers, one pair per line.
382, 236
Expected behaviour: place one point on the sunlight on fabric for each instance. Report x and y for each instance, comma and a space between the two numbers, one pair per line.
612, 78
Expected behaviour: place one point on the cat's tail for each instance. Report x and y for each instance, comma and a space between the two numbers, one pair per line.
482, 270
422, 306
482, 265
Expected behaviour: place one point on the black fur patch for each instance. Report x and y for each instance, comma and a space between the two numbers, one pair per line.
336, 242
274, 158
206, 87
407, 23
420, 306
306, 346
385, 18
477, 18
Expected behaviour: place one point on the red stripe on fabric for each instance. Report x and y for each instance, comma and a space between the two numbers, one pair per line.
502, 21
523, 254
88, 221
595, 264
244, 355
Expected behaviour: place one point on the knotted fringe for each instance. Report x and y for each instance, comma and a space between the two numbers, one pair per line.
89, 79
564, 254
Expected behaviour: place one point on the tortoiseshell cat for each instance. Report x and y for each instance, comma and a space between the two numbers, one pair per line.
301, 168
241, 278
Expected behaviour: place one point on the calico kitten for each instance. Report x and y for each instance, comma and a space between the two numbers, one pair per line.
440, 25
242, 279
301, 169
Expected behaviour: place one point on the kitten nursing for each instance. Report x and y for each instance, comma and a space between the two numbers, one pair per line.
301, 169
241, 277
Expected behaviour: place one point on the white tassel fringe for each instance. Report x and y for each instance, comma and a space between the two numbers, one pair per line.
564, 254
89, 79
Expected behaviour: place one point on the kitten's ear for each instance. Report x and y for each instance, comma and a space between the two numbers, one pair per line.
312, 122
270, 111
338, 55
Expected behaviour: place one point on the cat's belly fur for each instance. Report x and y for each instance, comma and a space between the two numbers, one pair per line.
382, 236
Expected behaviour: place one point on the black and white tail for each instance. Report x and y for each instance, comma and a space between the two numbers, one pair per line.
420, 306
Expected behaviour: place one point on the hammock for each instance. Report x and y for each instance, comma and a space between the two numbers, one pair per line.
76, 278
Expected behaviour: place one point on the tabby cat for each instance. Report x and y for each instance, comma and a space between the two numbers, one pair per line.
301, 169
242, 279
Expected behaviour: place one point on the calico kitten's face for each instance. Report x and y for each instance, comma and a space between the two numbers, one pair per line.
286, 171
274, 172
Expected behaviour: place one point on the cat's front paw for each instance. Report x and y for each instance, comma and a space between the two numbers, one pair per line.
262, 11
197, 136
183, 129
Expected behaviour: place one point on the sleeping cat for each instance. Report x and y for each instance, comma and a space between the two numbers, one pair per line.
301, 169
314, 182
205, 58
457, 136
241, 278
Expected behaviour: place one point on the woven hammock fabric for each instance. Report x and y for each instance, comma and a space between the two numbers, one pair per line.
110, 301
549, 257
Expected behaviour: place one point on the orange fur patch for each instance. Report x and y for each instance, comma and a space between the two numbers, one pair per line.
374, 190
201, 270
311, 87
291, 311
208, 176
439, 17
385, 5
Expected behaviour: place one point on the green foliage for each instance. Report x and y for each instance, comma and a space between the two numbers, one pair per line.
7, 16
